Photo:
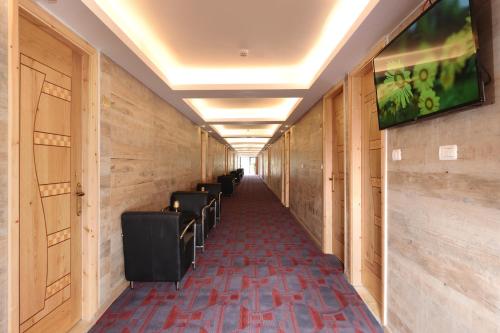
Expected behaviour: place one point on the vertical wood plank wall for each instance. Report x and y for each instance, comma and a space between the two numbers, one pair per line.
274, 180
306, 174
265, 165
216, 159
3, 164
444, 218
148, 150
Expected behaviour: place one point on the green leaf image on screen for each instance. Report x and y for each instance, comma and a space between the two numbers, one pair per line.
429, 68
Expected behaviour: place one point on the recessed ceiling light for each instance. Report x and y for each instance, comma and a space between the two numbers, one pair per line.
243, 109
232, 131
247, 140
127, 20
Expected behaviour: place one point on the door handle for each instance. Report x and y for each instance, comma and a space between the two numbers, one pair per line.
79, 193
332, 179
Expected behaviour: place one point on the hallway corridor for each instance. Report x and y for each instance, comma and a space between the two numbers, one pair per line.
259, 273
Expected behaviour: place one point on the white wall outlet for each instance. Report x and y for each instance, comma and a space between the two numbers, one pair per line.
396, 154
448, 153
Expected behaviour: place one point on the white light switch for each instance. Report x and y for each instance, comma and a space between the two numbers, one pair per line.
396, 154
448, 153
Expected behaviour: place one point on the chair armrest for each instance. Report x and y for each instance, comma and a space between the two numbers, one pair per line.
186, 228
204, 209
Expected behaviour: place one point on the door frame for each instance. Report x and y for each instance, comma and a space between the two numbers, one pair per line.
354, 147
286, 169
90, 157
204, 155
337, 89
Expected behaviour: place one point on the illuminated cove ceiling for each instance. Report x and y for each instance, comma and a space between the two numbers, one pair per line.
240, 62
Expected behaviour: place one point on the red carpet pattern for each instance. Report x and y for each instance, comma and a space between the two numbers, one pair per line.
259, 273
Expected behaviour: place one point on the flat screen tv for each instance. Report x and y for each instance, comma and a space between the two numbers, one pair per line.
429, 68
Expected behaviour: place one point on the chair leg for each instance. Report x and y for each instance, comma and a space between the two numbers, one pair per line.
194, 247
131, 284
177, 285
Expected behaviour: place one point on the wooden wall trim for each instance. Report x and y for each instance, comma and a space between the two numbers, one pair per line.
90, 159
204, 155
355, 182
354, 146
13, 167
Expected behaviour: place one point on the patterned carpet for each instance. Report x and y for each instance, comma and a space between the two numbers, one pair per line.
259, 273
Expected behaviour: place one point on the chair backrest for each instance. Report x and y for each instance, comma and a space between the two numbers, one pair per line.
190, 201
212, 188
227, 184
151, 245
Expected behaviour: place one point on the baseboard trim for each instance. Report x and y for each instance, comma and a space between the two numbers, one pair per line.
316, 241
83, 326
272, 190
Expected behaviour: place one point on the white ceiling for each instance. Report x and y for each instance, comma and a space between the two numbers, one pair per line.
197, 45
188, 52
211, 33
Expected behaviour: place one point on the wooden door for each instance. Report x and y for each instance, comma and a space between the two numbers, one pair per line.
49, 240
371, 197
338, 175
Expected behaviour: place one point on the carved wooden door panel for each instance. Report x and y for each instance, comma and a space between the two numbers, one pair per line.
49, 244
371, 201
338, 175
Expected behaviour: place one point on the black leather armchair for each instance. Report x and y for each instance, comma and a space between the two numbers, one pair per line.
227, 183
196, 205
236, 176
157, 246
214, 193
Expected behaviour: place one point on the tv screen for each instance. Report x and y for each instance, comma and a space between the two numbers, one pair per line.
429, 68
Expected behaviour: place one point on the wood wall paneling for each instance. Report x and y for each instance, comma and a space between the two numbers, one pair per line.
275, 160
148, 150
204, 155
216, 159
444, 216
286, 169
306, 174
4, 175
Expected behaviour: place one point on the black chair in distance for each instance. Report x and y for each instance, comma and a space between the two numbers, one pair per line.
215, 193
227, 183
157, 246
236, 176
195, 205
